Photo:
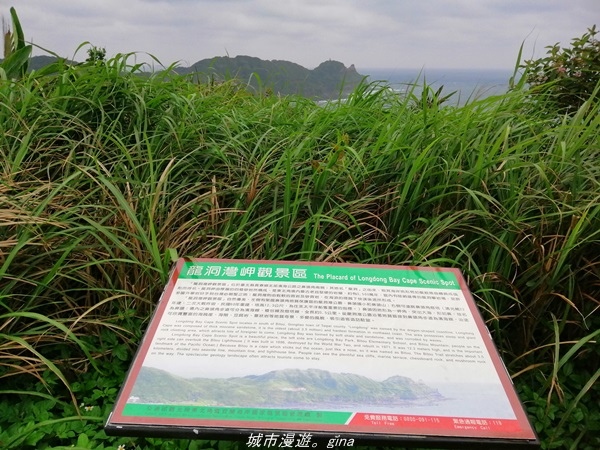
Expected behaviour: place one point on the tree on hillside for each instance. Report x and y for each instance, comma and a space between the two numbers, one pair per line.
96, 54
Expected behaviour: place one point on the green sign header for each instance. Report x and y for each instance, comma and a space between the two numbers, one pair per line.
335, 274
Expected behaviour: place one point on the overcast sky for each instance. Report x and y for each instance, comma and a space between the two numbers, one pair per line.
367, 33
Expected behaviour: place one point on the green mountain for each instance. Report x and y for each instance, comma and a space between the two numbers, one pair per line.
327, 81
291, 388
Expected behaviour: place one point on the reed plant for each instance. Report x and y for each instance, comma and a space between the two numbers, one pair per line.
106, 173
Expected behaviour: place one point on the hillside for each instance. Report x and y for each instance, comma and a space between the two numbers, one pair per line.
108, 175
41, 61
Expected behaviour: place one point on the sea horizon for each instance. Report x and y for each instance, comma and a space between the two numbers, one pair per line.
467, 83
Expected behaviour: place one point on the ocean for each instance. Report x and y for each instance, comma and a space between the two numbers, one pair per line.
468, 84
462, 400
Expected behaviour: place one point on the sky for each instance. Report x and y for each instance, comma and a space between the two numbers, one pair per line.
462, 34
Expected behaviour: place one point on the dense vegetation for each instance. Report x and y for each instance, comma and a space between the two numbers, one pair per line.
567, 76
105, 175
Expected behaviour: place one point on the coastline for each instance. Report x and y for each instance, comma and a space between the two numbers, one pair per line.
468, 83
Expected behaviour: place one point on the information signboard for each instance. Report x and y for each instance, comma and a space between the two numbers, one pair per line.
292, 351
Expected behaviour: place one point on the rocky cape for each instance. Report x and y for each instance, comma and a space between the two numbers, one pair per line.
330, 80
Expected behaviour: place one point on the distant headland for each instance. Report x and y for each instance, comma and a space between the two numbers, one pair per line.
331, 79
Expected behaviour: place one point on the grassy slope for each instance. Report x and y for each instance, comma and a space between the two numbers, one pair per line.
102, 172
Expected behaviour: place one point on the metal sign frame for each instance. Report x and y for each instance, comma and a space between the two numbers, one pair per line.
305, 352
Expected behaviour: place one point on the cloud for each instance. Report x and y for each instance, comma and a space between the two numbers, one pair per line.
377, 33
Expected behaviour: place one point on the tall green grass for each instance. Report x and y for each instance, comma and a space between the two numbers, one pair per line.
105, 173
